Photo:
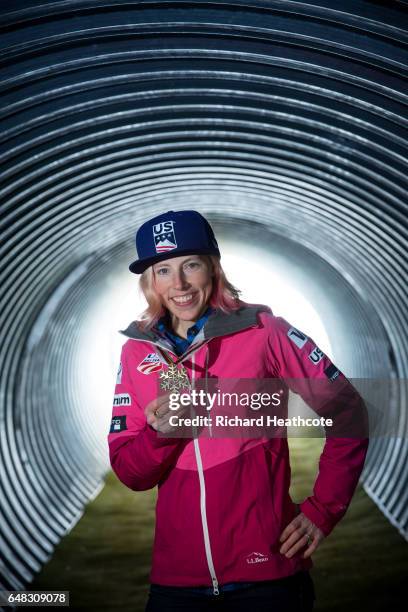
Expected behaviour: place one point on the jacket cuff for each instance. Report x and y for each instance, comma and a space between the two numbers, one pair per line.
313, 514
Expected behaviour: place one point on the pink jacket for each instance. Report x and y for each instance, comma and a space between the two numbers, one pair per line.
223, 503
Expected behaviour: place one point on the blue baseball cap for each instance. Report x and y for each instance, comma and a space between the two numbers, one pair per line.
172, 234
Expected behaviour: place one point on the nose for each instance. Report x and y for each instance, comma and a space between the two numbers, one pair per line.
180, 280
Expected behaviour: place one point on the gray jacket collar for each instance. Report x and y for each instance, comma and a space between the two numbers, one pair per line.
219, 324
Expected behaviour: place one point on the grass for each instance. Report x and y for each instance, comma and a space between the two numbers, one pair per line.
105, 560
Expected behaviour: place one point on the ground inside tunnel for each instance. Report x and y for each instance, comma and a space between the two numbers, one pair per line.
104, 561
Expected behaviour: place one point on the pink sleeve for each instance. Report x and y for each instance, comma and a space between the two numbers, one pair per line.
138, 456
297, 359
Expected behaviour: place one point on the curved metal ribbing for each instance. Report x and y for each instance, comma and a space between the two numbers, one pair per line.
283, 121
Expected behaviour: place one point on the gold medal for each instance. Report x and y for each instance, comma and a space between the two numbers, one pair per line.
174, 378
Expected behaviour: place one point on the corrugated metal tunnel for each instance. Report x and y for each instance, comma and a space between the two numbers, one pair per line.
283, 121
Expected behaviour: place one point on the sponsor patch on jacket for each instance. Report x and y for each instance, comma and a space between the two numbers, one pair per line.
316, 355
164, 237
151, 363
332, 372
297, 337
119, 375
118, 424
122, 399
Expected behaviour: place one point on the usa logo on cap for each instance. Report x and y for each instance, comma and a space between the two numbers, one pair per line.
164, 237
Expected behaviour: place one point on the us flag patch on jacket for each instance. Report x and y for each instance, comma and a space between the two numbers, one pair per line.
151, 363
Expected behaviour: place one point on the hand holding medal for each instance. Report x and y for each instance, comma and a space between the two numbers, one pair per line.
158, 413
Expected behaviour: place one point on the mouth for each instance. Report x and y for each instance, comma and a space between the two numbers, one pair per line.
184, 300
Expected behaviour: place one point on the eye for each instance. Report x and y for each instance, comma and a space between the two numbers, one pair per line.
162, 271
192, 265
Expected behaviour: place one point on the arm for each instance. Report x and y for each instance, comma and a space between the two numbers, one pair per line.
138, 456
310, 373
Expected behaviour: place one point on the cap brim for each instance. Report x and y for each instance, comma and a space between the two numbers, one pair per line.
140, 265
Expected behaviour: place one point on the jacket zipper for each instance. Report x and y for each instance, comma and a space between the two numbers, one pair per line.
200, 470
203, 509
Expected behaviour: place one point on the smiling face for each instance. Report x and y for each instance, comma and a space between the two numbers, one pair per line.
184, 285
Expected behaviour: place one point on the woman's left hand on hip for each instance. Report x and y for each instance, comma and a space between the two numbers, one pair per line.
300, 534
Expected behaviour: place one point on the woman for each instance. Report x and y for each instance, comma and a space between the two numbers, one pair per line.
227, 536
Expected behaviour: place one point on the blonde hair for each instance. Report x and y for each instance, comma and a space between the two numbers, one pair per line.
224, 296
